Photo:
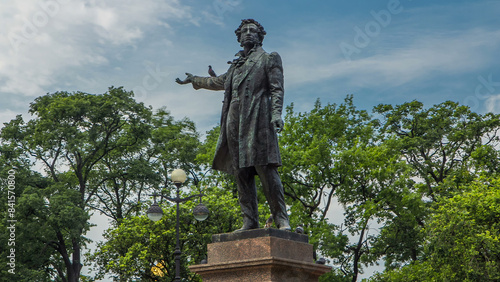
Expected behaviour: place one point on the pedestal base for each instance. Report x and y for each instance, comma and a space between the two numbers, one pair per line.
260, 255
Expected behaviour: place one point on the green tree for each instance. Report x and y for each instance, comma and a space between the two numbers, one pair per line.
139, 245
439, 142
389, 172
487, 159
25, 239
463, 238
70, 134
378, 190
447, 147
464, 234
311, 144
328, 154
124, 175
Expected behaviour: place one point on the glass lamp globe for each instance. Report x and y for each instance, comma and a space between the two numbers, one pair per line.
155, 213
200, 212
178, 176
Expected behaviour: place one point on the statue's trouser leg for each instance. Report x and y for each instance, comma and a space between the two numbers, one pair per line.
245, 177
247, 195
273, 190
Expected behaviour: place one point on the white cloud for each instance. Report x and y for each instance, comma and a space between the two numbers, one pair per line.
425, 56
7, 115
493, 104
42, 40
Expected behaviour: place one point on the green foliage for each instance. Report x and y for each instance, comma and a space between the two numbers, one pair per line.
444, 145
138, 244
463, 239
439, 141
464, 234
334, 276
33, 260
414, 175
390, 173
207, 150
379, 189
176, 145
311, 146
69, 136
123, 175
487, 159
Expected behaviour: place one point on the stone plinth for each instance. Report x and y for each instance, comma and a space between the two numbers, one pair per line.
260, 255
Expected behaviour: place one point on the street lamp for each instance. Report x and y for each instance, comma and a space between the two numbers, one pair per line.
155, 213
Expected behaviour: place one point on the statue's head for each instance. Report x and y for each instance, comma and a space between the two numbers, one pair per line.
260, 29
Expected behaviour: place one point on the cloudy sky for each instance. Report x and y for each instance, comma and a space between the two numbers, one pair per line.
386, 51
383, 51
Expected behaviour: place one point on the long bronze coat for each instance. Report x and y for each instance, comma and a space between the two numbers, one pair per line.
258, 84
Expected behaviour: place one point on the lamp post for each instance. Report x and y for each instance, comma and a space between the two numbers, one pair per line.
155, 213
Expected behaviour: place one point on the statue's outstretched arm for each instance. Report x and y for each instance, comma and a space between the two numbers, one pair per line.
211, 83
189, 79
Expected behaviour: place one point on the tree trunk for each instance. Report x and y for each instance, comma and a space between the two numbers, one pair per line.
358, 252
76, 265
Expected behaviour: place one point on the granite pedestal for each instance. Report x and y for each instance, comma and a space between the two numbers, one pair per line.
264, 255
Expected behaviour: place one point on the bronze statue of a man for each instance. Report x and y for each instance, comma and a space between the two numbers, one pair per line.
251, 117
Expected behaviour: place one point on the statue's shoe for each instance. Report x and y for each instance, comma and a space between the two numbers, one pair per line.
286, 228
245, 228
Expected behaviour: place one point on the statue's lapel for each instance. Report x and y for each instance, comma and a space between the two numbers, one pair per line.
250, 64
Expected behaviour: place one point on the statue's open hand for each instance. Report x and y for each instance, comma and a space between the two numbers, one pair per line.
277, 124
189, 79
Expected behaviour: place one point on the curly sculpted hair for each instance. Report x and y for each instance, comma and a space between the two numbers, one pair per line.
261, 31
